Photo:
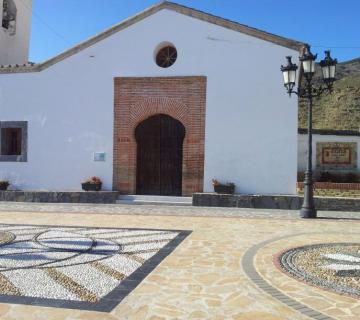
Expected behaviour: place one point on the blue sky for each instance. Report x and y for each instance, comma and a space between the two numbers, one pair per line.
335, 24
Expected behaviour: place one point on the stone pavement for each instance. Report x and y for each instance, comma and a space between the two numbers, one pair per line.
146, 210
225, 269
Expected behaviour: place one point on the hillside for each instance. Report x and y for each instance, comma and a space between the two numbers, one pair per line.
341, 109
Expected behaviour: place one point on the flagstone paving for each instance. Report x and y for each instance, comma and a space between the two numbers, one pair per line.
227, 268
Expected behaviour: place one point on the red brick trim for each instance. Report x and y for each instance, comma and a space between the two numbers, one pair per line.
136, 99
332, 186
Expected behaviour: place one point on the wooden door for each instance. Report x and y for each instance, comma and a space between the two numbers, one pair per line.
159, 156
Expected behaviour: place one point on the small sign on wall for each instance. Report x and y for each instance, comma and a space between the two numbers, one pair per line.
336, 155
99, 156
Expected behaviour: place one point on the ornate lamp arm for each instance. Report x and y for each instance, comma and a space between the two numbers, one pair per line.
311, 91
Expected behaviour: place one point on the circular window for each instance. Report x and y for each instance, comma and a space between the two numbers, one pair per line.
166, 56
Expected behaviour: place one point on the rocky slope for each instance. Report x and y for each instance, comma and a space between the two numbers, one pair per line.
341, 109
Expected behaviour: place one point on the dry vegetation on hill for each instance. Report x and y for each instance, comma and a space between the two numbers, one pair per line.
341, 109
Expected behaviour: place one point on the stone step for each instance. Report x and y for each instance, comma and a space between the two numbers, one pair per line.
154, 200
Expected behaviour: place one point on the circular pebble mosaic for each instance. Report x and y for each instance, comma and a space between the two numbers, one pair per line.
333, 266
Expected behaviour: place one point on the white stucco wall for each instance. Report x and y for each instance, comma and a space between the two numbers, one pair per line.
251, 124
302, 147
14, 49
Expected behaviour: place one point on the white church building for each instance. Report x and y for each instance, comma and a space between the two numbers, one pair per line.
161, 103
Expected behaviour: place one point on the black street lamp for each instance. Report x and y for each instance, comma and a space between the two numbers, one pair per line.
309, 91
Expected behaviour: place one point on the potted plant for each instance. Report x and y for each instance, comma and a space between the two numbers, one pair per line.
92, 184
4, 185
228, 188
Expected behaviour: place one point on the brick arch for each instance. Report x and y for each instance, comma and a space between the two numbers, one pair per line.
148, 107
137, 99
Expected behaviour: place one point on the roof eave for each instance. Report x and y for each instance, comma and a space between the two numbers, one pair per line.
235, 26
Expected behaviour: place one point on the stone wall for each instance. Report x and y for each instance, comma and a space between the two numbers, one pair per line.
335, 193
59, 197
273, 202
331, 189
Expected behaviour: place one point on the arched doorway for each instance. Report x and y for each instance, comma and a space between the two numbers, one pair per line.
159, 156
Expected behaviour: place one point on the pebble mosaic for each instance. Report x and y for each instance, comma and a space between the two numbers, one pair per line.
333, 266
81, 267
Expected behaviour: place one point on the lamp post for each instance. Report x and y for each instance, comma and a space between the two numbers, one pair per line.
309, 91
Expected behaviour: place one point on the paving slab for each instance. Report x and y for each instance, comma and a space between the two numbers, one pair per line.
226, 267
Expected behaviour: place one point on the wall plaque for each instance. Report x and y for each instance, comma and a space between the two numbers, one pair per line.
99, 156
336, 155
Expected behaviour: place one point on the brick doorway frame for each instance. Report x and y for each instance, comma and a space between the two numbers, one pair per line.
138, 98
